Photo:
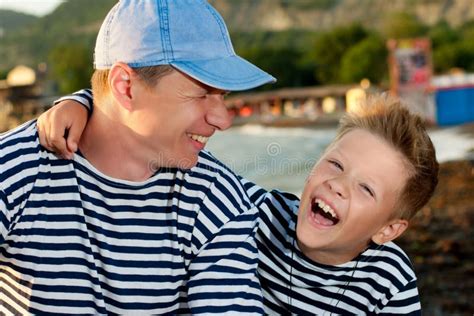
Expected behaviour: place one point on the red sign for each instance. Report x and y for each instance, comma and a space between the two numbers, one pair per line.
410, 64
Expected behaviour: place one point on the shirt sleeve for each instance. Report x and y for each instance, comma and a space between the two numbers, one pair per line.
84, 97
405, 302
256, 193
223, 272
4, 217
19, 165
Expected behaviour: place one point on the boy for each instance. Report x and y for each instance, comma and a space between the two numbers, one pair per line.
332, 252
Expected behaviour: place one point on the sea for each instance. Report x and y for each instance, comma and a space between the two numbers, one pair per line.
281, 158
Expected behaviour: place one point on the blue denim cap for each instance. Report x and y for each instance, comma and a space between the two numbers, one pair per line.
189, 35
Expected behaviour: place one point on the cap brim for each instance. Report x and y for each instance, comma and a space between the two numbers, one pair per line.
231, 73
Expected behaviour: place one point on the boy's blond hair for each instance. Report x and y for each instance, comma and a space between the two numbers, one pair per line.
150, 75
386, 117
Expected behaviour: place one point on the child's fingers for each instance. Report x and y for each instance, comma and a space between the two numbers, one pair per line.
56, 138
43, 131
73, 136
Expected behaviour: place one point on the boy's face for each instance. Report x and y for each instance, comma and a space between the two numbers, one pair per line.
176, 117
357, 181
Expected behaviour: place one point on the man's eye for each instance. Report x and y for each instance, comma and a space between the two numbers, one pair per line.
368, 190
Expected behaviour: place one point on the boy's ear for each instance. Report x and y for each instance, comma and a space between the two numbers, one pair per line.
120, 84
390, 231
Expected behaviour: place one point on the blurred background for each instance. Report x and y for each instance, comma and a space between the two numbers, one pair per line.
327, 55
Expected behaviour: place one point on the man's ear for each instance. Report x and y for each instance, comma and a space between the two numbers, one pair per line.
390, 231
120, 84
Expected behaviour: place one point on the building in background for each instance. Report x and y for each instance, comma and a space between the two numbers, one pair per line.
411, 69
453, 96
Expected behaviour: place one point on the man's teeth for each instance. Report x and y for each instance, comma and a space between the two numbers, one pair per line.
326, 208
199, 138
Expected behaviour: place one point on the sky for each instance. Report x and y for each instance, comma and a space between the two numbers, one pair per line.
35, 7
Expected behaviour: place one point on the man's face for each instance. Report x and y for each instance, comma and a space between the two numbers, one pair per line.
176, 117
349, 196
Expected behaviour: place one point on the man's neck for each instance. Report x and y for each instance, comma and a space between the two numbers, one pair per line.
113, 150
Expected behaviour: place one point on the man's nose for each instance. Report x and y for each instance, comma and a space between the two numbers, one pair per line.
217, 114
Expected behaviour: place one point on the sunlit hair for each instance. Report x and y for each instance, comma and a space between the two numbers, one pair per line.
388, 118
150, 75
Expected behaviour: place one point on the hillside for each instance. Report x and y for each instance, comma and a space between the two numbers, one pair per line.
12, 20
72, 21
79, 21
325, 14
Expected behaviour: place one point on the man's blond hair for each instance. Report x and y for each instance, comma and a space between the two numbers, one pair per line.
150, 75
386, 117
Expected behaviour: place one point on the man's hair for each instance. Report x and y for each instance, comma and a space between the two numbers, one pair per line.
387, 118
150, 76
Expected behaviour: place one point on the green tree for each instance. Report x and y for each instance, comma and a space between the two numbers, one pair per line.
279, 53
281, 62
71, 65
366, 59
457, 52
403, 25
445, 57
442, 34
465, 57
3, 74
467, 31
328, 49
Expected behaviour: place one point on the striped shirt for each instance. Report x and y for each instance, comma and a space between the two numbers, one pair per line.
380, 280
75, 241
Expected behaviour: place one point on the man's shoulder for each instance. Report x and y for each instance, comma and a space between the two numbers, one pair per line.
19, 141
20, 156
221, 185
208, 162
214, 171
19, 133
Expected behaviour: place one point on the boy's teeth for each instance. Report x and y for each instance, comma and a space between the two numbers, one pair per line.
199, 138
326, 208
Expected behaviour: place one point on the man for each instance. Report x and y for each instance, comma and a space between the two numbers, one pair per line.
141, 220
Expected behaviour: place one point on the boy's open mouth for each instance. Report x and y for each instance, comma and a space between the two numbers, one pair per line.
323, 213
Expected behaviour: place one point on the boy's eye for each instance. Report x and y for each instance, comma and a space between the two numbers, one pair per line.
336, 164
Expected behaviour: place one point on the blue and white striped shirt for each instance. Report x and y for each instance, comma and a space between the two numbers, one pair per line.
73, 240
380, 280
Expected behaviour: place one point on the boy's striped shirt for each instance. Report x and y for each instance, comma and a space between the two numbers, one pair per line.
380, 280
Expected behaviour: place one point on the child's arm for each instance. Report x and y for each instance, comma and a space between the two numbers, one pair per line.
61, 127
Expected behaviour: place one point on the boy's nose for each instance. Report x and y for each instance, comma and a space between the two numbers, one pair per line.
218, 115
337, 186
